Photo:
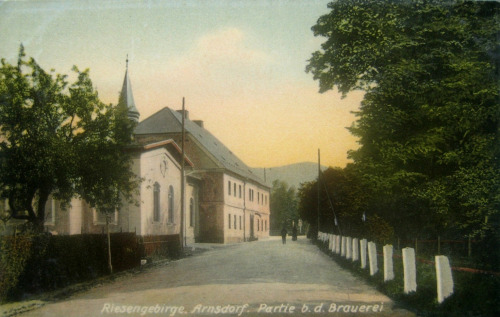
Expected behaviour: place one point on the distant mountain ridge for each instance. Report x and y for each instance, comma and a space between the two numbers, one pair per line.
293, 174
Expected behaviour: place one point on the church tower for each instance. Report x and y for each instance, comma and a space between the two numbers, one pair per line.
126, 98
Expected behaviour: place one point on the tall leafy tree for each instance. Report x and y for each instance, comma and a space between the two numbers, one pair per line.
283, 205
59, 139
342, 201
308, 205
428, 125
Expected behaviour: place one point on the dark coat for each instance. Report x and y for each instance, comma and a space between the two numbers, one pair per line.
284, 232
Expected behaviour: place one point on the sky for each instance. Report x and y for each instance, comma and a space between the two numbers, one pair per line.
240, 65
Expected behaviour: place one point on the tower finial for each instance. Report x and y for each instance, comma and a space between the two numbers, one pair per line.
126, 66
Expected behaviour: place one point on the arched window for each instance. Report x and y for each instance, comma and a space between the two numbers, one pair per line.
156, 202
191, 212
171, 204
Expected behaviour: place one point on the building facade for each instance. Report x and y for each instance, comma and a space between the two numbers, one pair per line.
233, 201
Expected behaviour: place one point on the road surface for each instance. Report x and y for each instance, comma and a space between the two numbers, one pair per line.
263, 278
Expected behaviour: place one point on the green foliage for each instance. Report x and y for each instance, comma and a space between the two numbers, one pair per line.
428, 125
15, 251
40, 262
379, 230
59, 138
283, 205
308, 202
342, 194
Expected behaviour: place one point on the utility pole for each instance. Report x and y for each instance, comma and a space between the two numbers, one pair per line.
183, 214
319, 175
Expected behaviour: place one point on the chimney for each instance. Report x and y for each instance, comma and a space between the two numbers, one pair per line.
186, 113
199, 123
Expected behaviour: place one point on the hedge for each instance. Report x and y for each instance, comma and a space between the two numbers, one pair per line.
36, 263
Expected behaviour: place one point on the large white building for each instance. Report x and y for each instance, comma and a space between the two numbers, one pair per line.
224, 200
233, 201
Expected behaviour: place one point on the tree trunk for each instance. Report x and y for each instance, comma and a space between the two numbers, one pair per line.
109, 245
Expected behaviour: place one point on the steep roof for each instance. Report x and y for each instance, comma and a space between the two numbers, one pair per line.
126, 98
170, 121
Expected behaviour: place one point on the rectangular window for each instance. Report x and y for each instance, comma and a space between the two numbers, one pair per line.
156, 202
234, 190
235, 222
240, 222
191, 212
229, 221
240, 191
258, 197
229, 188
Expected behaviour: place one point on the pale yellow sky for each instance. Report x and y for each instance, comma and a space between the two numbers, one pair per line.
239, 64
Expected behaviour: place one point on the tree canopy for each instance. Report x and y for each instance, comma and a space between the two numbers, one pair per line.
342, 201
429, 122
283, 205
59, 139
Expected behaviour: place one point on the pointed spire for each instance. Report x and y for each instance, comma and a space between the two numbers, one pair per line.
126, 98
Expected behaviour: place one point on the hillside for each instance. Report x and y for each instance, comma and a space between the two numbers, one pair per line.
293, 174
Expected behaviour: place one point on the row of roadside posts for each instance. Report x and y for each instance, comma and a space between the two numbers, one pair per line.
356, 250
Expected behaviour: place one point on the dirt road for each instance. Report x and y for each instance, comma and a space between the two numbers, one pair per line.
257, 278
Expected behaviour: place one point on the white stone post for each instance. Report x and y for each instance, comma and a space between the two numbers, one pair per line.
388, 265
410, 270
443, 277
372, 257
338, 244
355, 249
348, 251
342, 250
362, 245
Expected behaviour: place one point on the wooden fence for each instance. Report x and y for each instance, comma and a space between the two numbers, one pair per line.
160, 246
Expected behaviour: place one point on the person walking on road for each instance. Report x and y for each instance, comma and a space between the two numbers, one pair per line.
283, 235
